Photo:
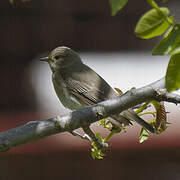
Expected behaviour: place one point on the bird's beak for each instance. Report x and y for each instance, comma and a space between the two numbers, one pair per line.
44, 59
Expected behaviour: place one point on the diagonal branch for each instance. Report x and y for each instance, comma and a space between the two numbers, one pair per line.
35, 130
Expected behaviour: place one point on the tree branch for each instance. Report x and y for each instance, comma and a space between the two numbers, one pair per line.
35, 130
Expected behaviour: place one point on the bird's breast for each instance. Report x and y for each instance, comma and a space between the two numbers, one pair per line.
64, 95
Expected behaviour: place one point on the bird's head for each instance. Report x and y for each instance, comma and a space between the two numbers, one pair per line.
61, 57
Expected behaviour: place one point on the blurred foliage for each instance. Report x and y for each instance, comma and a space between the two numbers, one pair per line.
173, 73
117, 5
12, 1
170, 43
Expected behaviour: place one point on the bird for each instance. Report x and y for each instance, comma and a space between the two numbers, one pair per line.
78, 86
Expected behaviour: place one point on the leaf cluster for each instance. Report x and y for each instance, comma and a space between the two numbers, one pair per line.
158, 22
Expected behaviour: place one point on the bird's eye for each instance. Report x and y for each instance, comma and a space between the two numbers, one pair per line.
56, 57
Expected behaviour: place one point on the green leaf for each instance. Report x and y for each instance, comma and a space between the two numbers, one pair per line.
117, 5
173, 73
170, 43
99, 137
144, 135
96, 153
105, 123
153, 23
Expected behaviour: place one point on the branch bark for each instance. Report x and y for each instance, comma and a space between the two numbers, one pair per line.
35, 130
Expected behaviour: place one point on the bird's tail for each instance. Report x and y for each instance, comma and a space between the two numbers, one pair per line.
131, 115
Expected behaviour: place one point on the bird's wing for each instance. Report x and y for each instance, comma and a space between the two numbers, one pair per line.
84, 92
88, 85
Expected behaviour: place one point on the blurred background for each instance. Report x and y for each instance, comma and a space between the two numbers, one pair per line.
29, 31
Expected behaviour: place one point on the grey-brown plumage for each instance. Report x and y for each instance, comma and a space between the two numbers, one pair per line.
77, 85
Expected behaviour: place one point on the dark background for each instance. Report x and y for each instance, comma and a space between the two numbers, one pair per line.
29, 29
